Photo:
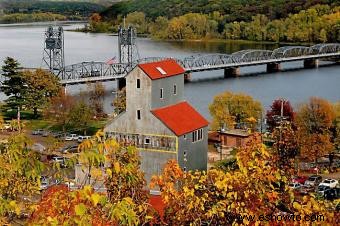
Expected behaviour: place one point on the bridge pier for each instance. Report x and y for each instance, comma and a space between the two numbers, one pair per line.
311, 63
231, 72
187, 77
273, 67
121, 83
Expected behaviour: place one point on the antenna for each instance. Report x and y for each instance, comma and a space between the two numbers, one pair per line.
53, 56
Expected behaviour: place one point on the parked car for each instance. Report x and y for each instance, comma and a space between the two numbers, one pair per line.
331, 193
71, 137
46, 133
38, 147
37, 132
306, 189
70, 149
299, 179
313, 180
60, 160
43, 183
294, 185
82, 138
332, 183
57, 134
321, 190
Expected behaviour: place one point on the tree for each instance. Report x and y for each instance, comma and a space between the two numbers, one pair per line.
286, 148
275, 111
41, 86
119, 103
234, 109
314, 121
80, 115
59, 109
60, 206
20, 171
225, 198
14, 84
97, 93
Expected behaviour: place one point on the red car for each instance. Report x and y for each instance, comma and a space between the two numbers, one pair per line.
300, 179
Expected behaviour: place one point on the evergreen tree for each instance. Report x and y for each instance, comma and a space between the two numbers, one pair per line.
14, 84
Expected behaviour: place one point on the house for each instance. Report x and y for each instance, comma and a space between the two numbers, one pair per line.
232, 138
158, 121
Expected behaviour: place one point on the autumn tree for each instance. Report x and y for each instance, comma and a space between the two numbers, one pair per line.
97, 93
14, 84
273, 114
234, 109
60, 206
314, 121
119, 103
286, 148
41, 86
59, 109
336, 126
217, 197
20, 171
80, 115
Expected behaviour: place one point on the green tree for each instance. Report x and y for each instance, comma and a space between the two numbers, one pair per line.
119, 103
14, 85
80, 115
41, 86
234, 109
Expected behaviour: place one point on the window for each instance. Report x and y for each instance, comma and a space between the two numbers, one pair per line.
197, 135
161, 70
161, 93
147, 141
185, 154
184, 169
138, 83
175, 89
138, 115
184, 136
238, 142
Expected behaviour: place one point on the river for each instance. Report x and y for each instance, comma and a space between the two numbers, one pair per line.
24, 42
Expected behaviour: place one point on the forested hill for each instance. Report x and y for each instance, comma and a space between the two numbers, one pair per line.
67, 8
234, 10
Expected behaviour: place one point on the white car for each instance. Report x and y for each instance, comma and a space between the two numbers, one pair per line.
294, 185
82, 138
332, 183
72, 136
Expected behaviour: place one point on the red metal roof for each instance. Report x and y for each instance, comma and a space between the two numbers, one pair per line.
162, 69
180, 118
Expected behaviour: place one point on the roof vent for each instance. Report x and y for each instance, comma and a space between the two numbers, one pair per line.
161, 70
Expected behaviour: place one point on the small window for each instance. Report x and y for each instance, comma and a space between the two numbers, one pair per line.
184, 136
175, 89
138, 115
161, 93
147, 141
185, 154
138, 83
184, 169
161, 70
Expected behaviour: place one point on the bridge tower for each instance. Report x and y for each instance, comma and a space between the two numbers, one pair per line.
53, 55
127, 46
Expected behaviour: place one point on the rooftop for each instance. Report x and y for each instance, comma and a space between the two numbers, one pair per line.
235, 132
162, 69
180, 118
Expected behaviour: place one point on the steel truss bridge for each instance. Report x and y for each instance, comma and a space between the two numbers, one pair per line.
100, 71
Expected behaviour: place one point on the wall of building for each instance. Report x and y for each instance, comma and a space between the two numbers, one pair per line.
169, 98
153, 162
196, 153
138, 99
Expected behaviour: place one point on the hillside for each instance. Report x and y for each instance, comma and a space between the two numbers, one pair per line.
235, 10
68, 8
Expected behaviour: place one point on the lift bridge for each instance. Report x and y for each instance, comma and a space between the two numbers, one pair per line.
128, 58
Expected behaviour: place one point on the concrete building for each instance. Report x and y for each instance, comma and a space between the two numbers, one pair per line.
158, 121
